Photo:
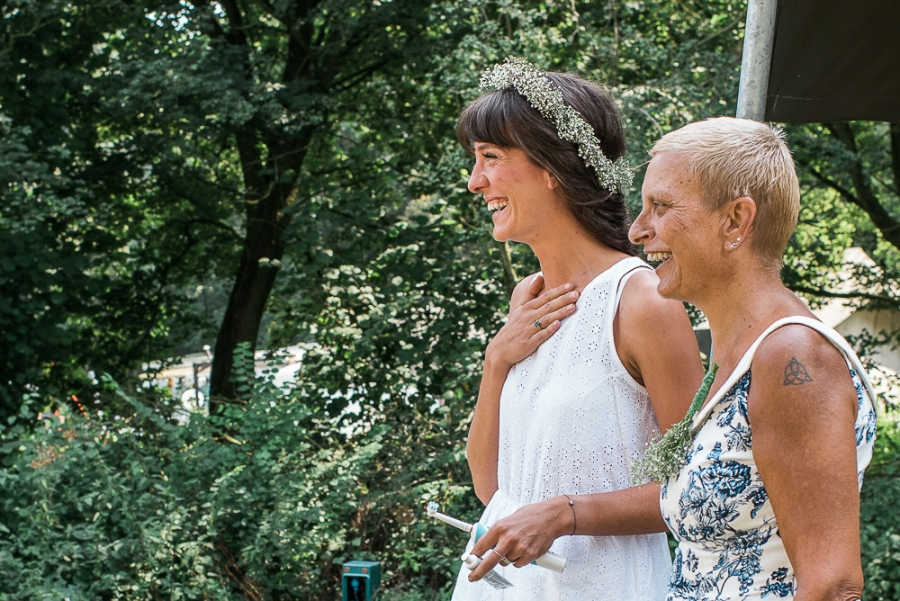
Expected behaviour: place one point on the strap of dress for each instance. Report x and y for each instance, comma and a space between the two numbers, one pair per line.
744, 364
633, 265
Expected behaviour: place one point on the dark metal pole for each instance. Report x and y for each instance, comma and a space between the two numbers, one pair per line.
759, 39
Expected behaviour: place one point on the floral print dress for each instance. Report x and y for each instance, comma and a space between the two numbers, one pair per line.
729, 547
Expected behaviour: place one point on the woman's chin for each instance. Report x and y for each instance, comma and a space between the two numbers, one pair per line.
500, 233
668, 287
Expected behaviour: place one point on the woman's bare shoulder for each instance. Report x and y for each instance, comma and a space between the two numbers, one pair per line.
795, 343
641, 303
798, 371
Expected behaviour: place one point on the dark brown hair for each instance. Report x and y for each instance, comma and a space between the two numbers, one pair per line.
504, 118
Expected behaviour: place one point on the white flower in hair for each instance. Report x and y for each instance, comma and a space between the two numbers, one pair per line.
547, 98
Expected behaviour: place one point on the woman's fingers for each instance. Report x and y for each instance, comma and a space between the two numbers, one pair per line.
558, 314
531, 324
526, 291
536, 285
553, 298
489, 559
541, 336
508, 552
486, 541
488, 562
558, 308
515, 540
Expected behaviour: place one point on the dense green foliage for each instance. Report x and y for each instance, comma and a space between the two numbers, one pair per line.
304, 151
263, 500
880, 528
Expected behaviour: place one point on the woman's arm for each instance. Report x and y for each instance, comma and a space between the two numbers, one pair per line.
657, 345
484, 433
802, 409
528, 533
517, 339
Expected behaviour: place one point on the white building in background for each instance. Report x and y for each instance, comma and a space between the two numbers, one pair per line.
852, 319
188, 380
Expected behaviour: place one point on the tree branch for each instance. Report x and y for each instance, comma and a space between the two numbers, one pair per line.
216, 224
251, 165
236, 36
734, 23
831, 183
865, 198
354, 79
510, 278
847, 295
11, 39
300, 41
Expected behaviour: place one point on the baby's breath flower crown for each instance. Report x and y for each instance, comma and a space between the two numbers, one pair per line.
547, 98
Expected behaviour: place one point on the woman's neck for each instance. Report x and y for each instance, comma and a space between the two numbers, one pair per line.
574, 257
742, 309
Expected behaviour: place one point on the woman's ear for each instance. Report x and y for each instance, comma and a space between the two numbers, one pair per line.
739, 216
552, 182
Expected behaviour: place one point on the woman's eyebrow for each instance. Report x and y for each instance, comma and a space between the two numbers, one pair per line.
660, 195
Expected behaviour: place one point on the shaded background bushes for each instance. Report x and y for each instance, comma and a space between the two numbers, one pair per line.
263, 501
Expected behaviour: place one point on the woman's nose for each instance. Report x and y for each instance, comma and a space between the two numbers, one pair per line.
639, 233
477, 180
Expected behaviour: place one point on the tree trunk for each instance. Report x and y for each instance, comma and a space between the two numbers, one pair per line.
270, 178
246, 305
266, 199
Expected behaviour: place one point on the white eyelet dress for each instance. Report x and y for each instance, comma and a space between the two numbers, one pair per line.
572, 421
729, 547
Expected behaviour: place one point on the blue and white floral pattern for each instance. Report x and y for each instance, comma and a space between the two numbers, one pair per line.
717, 507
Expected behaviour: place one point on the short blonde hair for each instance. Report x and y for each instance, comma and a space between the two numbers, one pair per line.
730, 158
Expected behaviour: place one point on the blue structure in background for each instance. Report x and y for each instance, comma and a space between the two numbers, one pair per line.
360, 580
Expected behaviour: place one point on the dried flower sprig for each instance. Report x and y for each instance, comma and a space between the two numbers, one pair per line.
547, 98
669, 454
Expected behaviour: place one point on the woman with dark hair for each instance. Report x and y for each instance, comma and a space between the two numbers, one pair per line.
569, 400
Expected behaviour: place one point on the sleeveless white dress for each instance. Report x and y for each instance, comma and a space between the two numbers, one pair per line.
729, 546
572, 421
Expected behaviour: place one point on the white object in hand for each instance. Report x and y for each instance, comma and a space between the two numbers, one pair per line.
550, 561
492, 577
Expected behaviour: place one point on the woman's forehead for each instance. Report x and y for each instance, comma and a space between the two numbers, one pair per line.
666, 169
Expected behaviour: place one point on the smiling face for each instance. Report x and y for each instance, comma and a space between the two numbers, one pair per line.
519, 193
677, 230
